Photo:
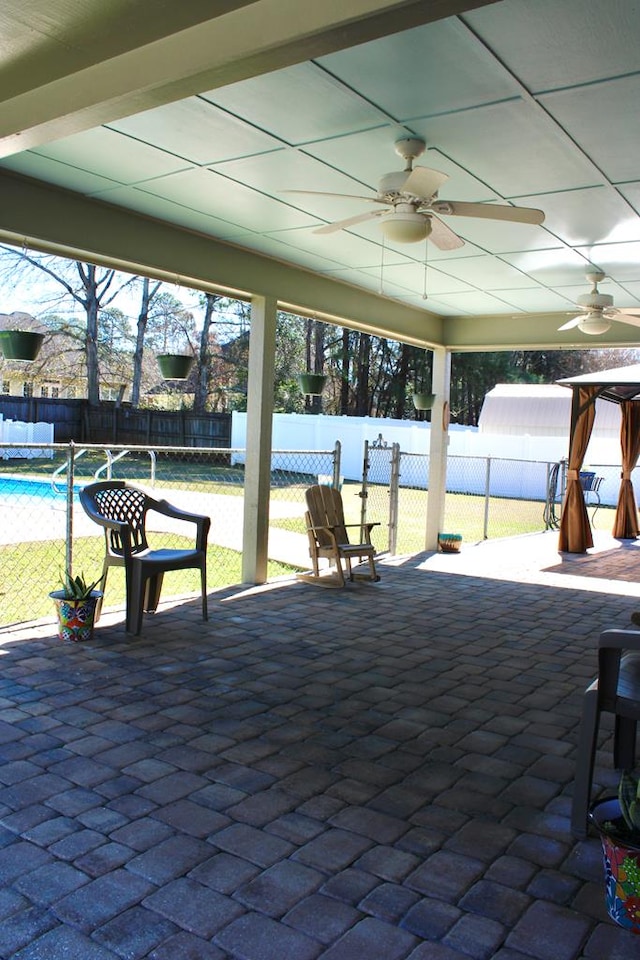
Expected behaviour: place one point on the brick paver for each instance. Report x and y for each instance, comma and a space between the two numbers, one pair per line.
379, 772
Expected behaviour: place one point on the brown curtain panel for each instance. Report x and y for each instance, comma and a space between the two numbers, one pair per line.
626, 522
575, 529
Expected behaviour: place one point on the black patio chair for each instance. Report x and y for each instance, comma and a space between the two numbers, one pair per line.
121, 510
616, 690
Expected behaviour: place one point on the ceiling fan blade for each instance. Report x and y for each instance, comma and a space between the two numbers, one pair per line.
443, 236
339, 196
574, 322
349, 222
628, 311
488, 211
627, 317
423, 182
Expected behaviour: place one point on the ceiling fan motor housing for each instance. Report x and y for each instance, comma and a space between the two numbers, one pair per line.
595, 301
392, 183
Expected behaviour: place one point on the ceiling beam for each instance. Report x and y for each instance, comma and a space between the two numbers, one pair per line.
533, 331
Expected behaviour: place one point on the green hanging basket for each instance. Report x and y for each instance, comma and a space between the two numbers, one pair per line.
423, 401
312, 383
20, 344
175, 366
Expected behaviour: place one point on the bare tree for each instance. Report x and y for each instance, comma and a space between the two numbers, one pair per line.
203, 377
92, 287
149, 292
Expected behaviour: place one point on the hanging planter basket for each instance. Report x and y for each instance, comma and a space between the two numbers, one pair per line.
20, 344
175, 366
423, 401
312, 383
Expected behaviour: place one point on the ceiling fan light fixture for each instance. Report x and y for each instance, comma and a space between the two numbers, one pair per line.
595, 325
405, 227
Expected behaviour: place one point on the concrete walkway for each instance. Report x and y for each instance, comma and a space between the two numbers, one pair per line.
378, 773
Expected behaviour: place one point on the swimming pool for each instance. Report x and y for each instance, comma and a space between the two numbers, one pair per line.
14, 489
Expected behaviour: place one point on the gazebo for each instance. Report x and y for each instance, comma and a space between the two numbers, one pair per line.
620, 385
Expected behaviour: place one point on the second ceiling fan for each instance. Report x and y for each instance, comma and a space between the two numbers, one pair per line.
598, 311
410, 208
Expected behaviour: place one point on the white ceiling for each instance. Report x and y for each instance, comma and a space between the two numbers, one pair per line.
531, 102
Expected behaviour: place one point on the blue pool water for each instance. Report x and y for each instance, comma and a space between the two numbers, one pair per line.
16, 488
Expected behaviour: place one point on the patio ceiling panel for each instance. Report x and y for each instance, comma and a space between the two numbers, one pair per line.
600, 36
597, 118
106, 153
196, 131
324, 107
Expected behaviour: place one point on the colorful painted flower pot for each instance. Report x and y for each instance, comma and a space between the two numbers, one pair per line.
449, 542
20, 344
312, 383
621, 867
76, 618
175, 366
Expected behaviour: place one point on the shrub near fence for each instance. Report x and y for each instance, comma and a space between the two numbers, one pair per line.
35, 519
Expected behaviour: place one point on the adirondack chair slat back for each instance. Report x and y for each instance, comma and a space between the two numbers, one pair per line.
325, 510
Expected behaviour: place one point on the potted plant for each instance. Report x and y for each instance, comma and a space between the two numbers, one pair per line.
617, 820
76, 604
175, 366
312, 383
423, 400
20, 344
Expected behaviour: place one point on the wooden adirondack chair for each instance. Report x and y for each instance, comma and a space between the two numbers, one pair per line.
328, 538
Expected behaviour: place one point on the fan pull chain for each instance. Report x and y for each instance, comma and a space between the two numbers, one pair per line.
426, 255
382, 267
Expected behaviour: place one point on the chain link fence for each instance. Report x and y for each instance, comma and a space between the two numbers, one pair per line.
43, 528
487, 497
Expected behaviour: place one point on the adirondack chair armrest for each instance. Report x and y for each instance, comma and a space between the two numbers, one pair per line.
365, 527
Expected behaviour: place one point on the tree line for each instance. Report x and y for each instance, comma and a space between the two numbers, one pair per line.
81, 305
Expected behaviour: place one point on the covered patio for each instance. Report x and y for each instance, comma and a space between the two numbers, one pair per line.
380, 772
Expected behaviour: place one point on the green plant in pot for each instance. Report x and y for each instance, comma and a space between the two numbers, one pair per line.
617, 820
76, 605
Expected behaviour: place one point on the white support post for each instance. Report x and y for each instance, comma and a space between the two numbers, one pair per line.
438, 445
257, 480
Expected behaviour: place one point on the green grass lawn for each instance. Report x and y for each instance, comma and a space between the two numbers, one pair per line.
464, 514
41, 565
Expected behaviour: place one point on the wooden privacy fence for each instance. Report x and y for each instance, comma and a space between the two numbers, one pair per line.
112, 422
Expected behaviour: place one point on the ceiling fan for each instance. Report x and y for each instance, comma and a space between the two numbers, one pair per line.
599, 311
409, 199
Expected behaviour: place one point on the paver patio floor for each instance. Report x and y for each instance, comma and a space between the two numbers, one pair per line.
378, 773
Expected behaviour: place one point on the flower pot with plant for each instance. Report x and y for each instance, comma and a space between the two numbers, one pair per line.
617, 820
312, 384
175, 366
76, 604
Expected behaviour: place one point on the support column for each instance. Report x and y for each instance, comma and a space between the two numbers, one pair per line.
438, 445
257, 480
